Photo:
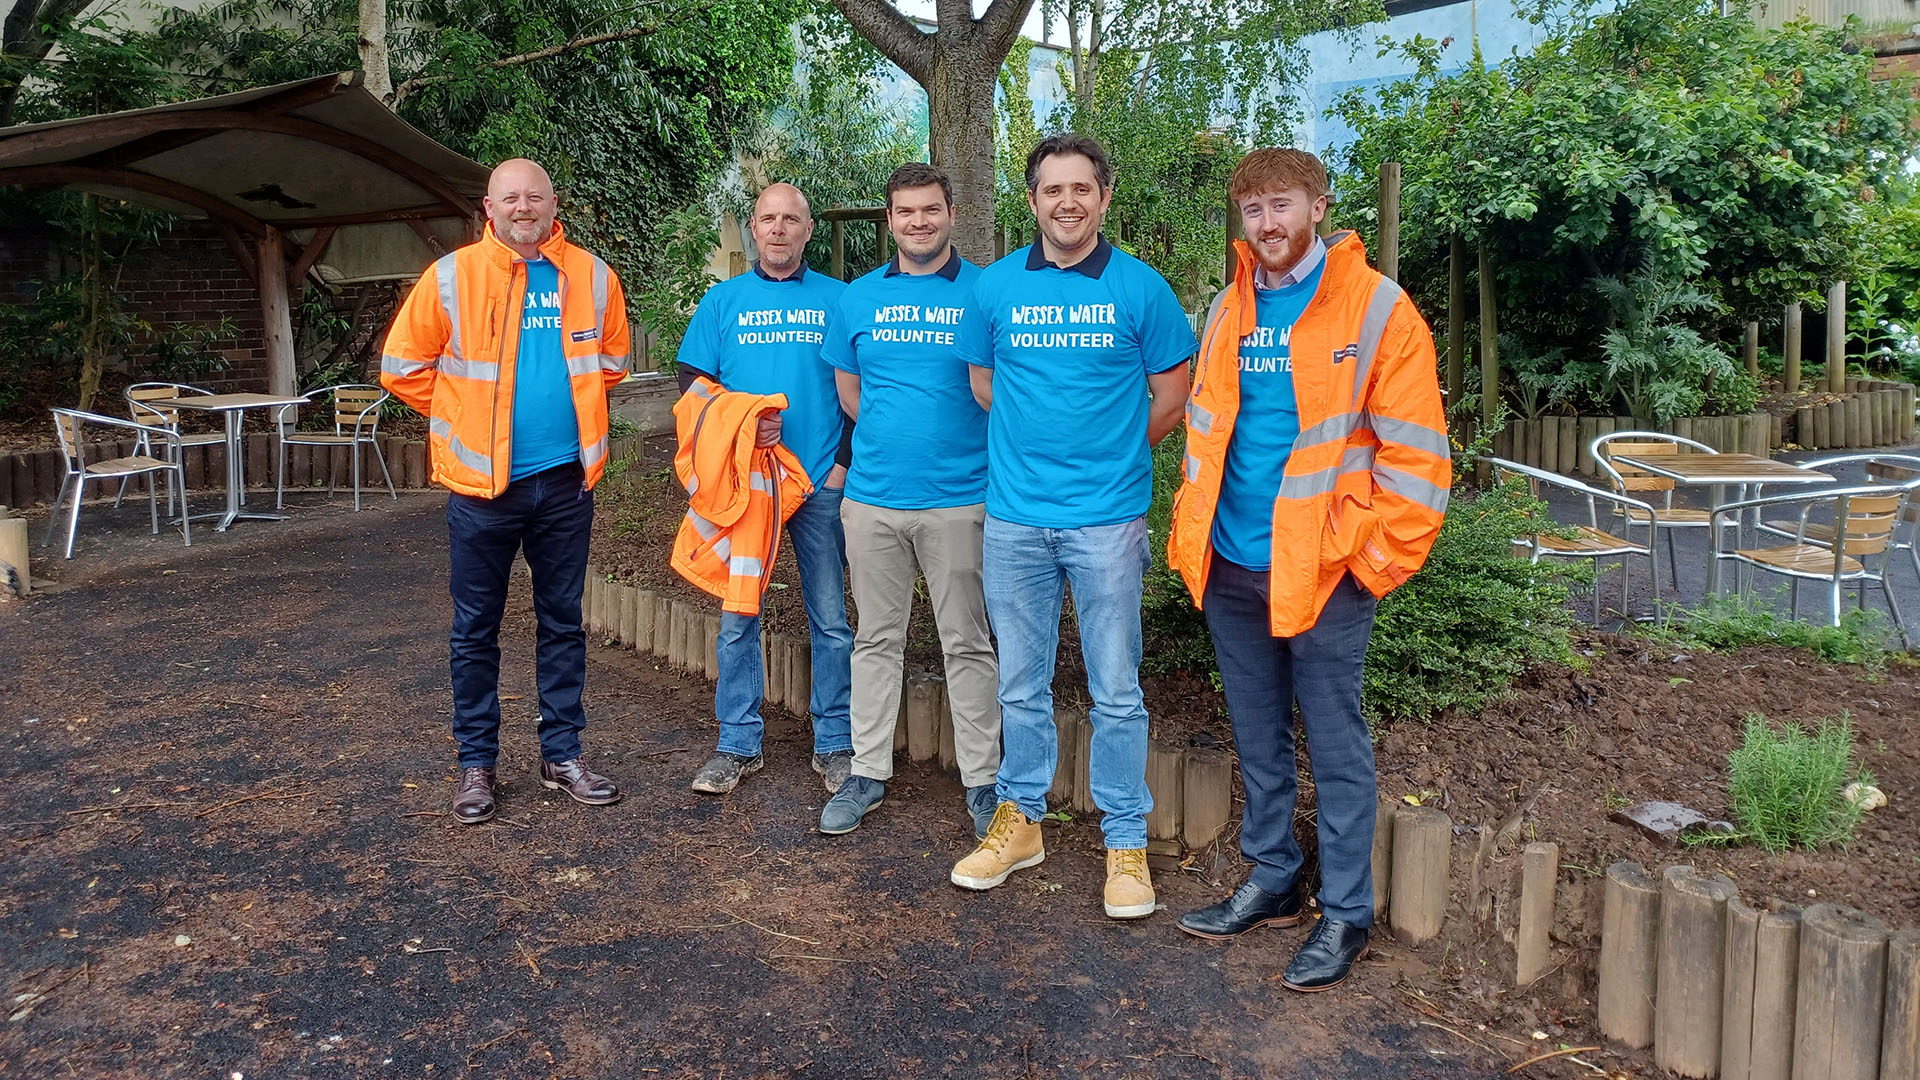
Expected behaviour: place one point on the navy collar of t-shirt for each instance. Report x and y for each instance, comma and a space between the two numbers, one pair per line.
949, 269
795, 276
1093, 265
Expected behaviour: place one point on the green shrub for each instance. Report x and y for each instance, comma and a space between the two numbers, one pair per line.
1475, 617
1457, 634
1785, 784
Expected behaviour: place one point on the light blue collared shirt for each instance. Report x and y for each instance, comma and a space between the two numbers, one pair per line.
1305, 268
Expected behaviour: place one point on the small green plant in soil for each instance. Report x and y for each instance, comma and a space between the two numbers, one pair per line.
1785, 784
1724, 623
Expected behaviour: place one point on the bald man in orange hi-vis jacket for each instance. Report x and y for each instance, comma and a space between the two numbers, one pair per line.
508, 345
1315, 481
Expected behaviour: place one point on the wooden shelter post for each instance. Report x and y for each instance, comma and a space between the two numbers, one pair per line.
276, 311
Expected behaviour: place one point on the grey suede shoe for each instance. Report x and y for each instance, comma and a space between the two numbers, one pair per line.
855, 798
981, 802
723, 771
834, 768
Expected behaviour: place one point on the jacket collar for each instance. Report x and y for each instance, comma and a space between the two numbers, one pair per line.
1343, 249
949, 269
1094, 265
553, 247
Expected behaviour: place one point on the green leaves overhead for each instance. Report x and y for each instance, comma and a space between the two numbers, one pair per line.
1659, 138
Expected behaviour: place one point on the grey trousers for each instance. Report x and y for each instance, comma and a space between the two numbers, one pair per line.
883, 547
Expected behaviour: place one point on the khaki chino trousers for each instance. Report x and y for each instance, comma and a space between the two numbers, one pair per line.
883, 548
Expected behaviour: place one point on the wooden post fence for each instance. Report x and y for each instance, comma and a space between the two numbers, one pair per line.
1388, 257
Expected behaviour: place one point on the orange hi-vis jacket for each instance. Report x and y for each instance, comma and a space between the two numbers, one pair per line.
738, 494
1365, 487
451, 352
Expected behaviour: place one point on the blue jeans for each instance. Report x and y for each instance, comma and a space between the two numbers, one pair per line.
550, 516
1263, 676
820, 546
1025, 571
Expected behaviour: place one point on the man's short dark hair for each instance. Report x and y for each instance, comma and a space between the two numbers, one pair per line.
918, 174
1085, 146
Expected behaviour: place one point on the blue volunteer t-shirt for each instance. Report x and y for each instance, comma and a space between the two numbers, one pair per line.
761, 336
1264, 429
1070, 352
546, 432
921, 441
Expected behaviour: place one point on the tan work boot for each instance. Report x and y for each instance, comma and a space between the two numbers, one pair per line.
1012, 843
1129, 886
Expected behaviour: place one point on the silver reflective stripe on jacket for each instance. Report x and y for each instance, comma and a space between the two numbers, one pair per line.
482, 370
478, 462
447, 274
398, 367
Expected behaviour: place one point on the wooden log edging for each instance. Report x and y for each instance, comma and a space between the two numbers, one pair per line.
1719, 988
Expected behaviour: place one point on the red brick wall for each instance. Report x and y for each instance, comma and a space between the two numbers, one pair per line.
194, 279
186, 277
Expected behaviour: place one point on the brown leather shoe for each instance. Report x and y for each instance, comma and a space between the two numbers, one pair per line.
473, 803
574, 778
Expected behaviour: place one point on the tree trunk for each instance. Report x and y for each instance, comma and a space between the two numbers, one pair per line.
93, 362
960, 111
373, 49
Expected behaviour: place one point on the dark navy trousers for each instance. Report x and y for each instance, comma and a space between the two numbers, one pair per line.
549, 515
1263, 677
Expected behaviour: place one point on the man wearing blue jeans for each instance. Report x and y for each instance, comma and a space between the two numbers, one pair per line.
761, 333
1066, 338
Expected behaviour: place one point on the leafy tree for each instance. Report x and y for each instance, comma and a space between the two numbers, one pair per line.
831, 136
1177, 90
1657, 142
957, 63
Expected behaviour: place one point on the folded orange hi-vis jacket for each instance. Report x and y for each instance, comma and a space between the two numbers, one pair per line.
738, 495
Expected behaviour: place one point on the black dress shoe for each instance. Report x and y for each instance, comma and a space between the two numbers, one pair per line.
1248, 907
573, 777
1328, 955
473, 803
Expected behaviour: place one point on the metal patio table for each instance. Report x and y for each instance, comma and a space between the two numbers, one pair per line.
230, 406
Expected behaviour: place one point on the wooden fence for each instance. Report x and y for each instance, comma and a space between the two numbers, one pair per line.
1870, 414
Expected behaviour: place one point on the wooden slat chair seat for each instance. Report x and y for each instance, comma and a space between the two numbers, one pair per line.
356, 421
1865, 521
1806, 560
124, 466
1589, 541
1626, 478
71, 425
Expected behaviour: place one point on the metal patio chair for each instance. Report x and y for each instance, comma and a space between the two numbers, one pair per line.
141, 398
1881, 469
1590, 541
356, 422
71, 425
1625, 478
1865, 520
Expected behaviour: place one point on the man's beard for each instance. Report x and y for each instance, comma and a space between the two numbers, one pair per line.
1290, 256
525, 232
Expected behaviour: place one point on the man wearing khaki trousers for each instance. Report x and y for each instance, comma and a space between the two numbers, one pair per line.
915, 494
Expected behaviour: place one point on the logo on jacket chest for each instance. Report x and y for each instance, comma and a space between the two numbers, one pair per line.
1348, 352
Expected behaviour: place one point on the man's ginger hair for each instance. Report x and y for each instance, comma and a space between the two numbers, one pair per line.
1278, 169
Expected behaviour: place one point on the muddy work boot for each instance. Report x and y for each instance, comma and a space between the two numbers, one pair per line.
1012, 843
1129, 886
834, 768
723, 771
473, 803
855, 798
